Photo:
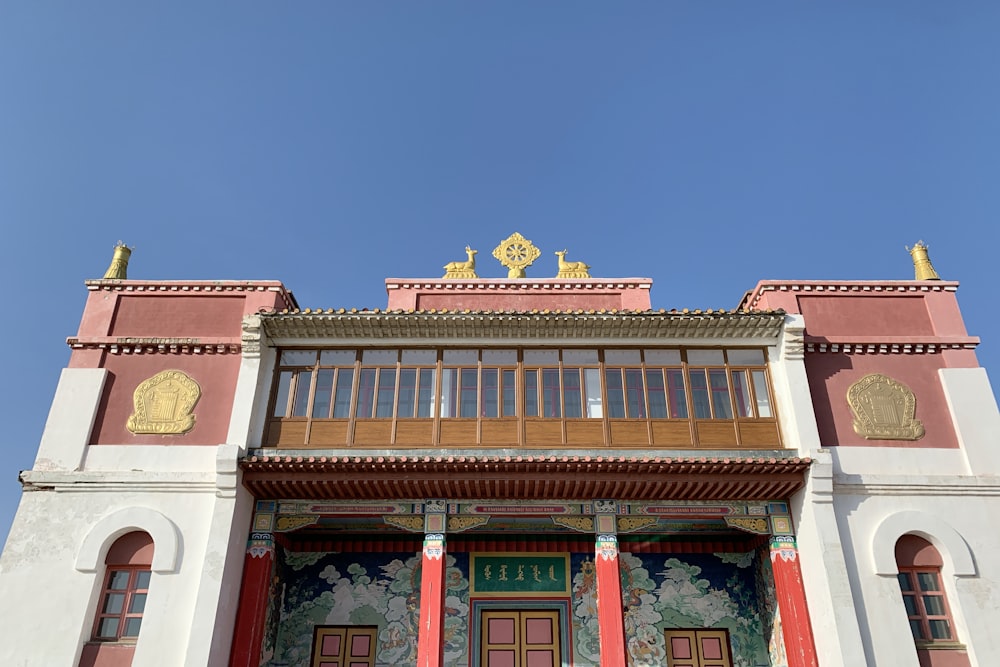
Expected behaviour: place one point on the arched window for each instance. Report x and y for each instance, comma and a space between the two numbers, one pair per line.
126, 583
927, 609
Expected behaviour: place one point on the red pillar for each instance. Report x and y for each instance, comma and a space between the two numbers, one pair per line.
791, 594
430, 636
610, 615
248, 636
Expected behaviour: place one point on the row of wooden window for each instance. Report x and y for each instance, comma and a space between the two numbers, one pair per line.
492, 392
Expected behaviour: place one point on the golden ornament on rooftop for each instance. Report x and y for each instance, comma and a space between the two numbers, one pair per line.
922, 267
119, 263
462, 270
516, 253
571, 269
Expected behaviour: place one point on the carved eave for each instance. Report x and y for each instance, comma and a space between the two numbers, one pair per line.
515, 477
619, 326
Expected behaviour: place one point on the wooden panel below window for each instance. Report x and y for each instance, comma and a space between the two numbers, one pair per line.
672, 433
585, 432
374, 432
500, 432
625, 433
543, 432
328, 433
715, 433
286, 433
462, 432
760, 434
415, 432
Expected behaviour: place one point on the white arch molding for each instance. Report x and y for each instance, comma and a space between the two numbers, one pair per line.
954, 551
166, 539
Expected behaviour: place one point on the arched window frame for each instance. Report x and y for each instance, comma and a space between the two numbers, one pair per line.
125, 588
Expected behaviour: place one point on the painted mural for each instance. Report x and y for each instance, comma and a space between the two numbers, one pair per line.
660, 591
381, 589
690, 591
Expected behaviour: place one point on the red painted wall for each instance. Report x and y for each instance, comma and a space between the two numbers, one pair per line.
137, 329
106, 654
519, 295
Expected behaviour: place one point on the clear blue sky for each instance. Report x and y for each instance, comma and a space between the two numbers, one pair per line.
331, 144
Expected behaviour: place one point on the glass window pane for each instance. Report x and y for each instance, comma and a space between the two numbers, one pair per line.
425, 401
342, 398
137, 604
656, 394
118, 581
470, 391
108, 628
500, 357
634, 399
337, 357
366, 393
531, 393
298, 358
616, 393
746, 357
662, 357
324, 392
916, 630
699, 393
675, 390
386, 392
572, 394
379, 357
302, 381
551, 405
741, 392
592, 387
760, 391
904, 581
928, 581
113, 603
580, 357
491, 392
940, 629
541, 357
509, 393
132, 627
420, 357
721, 404
281, 400
911, 605
142, 580
407, 392
449, 392
461, 357
706, 357
624, 357
934, 604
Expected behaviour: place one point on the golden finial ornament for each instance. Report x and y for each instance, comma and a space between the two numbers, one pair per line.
462, 270
922, 267
516, 253
571, 269
119, 263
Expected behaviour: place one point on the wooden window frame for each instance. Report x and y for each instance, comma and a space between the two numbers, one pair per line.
922, 616
346, 633
129, 592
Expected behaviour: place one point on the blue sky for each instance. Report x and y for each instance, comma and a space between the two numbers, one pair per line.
332, 144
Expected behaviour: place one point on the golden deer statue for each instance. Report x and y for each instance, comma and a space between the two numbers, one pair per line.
466, 269
571, 269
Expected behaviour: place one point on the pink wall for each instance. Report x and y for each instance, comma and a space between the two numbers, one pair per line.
907, 330
519, 295
136, 329
106, 654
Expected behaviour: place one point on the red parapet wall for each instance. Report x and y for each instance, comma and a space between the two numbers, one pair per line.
138, 329
492, 294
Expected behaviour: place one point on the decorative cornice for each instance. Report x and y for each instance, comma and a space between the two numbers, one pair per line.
156, 346
545, 324
845, 287
889, 348
519, 285
213, 286
251, 336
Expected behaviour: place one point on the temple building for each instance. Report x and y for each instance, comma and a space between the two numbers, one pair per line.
512, 472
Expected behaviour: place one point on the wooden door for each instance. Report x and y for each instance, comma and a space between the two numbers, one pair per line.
515, 638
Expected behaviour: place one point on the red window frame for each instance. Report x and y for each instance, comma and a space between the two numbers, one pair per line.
122, 599
911, 583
